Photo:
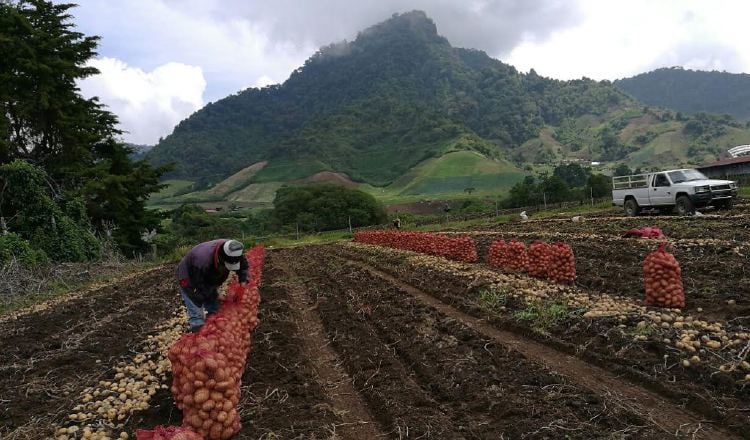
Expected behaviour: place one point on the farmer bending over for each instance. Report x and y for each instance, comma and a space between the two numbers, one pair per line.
203, 270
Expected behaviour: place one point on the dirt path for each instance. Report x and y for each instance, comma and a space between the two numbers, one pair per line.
665, 414
358, 423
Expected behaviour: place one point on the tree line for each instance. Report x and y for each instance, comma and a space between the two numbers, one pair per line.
67, 181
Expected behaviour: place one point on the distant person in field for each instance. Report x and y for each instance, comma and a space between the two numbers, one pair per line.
202, 270
397, 223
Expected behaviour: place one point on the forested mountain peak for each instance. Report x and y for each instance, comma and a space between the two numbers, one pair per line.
375, 107
692, 91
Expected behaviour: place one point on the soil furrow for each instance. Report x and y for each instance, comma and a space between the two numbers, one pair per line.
397, 402
280, 396
357, 421
663, 413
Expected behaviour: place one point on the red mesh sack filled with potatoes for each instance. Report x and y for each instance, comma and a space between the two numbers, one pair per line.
561, 263
167, 433
662, 278
207, 366
539, 254
497, 253
510, 256
457, 248
518, 257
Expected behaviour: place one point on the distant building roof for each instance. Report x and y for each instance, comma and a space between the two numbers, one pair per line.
732, 161
740, 150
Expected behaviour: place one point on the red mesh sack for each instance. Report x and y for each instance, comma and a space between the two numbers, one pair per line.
497, 253
510, 256
562, 264
644, 232
167, 433
457, 248
207, 366
539, 259
518, 257
662, 278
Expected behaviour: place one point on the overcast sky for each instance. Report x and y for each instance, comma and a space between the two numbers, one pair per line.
161, 60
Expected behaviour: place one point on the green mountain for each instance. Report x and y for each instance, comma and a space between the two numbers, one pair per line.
692, 91
389, 110
138, 151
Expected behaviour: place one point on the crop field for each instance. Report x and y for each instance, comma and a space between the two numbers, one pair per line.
362, 341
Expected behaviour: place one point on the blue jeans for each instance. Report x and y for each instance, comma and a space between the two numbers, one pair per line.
195, 314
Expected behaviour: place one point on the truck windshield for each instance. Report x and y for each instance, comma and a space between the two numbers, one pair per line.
686, 176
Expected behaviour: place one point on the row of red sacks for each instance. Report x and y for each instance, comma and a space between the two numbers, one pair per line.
457, 248
554, 262
207, 366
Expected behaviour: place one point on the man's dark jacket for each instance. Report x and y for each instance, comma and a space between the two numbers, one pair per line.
200, 272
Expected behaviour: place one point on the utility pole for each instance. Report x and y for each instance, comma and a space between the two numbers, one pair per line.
544, 194
350, 224
297, 231
592, 195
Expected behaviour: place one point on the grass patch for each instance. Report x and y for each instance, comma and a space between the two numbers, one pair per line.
305, 239
493, 300
173, 188
285, 171
544, 316
644, 329
454, 172
65, 286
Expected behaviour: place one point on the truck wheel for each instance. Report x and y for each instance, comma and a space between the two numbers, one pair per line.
685, 206
631, 208
667, 210
726, 204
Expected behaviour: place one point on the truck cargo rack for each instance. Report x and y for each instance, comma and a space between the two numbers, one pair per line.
630, 182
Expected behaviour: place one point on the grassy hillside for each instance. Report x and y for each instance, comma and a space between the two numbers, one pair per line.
237, 180
445, 177
255, 194
456, 172
636, 136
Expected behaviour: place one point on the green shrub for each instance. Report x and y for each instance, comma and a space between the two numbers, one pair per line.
37, 218
14, 246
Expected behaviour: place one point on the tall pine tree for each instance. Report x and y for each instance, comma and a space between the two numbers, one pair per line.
44, 120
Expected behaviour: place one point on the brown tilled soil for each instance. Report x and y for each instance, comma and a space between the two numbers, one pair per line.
356, 349
49, 357
600, 342
459, 381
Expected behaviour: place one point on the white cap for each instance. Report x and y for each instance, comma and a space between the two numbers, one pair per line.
233, 248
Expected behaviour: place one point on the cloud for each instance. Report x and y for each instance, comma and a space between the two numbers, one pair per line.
237, 42
232, 51
618, 38
495, 26
148, 104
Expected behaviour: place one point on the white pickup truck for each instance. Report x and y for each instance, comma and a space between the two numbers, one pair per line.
684, 190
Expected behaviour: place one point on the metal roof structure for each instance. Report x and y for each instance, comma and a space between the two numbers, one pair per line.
732, 161
740, 150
